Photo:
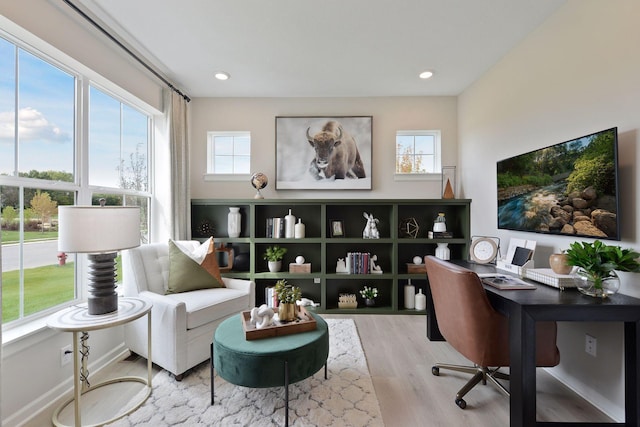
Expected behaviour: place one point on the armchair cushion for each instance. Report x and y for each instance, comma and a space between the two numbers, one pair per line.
185, 271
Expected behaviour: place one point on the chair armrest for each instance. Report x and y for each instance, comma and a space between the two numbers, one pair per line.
161, 302
239, 284
247, 286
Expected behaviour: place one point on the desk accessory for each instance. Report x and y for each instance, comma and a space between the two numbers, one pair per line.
548, 277
484, 249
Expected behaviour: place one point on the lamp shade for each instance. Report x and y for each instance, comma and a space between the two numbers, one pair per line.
98, 229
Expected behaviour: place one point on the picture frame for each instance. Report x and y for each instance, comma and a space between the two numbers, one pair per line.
336, 228
303, 158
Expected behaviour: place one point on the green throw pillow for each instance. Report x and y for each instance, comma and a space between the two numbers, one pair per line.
185, 274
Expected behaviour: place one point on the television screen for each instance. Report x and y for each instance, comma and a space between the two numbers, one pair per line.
569, 188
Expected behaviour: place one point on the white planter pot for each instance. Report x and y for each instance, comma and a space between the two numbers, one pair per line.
274, 266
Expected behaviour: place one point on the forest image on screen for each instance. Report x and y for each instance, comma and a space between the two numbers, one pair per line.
568, 188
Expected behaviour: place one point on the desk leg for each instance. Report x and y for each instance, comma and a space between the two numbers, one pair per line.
522, 372
632, 372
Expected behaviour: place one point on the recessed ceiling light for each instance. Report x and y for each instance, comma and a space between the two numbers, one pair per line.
221, 75
426, 74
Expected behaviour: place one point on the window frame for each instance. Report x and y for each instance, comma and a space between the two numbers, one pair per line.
84, 77
421, 176
210, 174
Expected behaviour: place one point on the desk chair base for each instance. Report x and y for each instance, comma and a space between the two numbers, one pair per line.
480, 373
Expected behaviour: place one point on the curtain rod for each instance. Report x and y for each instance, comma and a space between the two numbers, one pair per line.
126, 49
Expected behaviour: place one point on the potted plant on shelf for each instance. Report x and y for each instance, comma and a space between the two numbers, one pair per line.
596, 263
274, 255
287, 296
369, 294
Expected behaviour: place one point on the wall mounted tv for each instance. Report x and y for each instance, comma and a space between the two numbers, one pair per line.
569, 188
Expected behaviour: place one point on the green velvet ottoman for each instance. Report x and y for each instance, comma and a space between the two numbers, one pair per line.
268, 362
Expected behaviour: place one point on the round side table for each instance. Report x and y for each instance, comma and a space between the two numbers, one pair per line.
77, 319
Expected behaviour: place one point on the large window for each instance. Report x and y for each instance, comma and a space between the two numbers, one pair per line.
44, 107
418, 152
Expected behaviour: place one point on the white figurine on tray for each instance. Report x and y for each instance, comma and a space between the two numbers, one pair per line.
262, 316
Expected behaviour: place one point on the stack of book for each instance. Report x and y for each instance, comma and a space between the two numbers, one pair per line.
271, 297
358, 262
275, 228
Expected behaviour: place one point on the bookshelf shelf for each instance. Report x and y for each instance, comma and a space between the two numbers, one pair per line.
323, 285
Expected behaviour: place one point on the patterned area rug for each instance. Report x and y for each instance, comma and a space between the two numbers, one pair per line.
346, 398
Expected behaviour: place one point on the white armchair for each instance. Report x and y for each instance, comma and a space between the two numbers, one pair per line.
182, 324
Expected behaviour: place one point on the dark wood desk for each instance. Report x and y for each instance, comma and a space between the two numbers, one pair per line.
526, 307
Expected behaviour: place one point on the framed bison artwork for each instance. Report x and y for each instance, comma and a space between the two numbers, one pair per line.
323, 153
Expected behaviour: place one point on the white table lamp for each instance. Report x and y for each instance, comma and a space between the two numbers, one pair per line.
99, 231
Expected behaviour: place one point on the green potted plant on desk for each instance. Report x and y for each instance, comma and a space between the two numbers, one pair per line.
274, 255
287, 296
597, 263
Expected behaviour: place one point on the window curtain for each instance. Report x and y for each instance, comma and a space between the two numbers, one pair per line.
179, 152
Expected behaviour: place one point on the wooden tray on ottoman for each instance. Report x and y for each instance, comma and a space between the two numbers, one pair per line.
305, 323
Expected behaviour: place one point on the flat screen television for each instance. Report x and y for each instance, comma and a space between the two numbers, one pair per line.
570, 188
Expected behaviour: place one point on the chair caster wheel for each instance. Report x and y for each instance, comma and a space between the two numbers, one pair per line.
435, 371
461, 403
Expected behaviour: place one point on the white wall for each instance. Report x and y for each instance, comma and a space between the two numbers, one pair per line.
579, 72
257, 115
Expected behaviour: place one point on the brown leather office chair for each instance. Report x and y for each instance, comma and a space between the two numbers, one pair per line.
475, 329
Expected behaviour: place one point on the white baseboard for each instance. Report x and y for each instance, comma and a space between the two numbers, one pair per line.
40, 411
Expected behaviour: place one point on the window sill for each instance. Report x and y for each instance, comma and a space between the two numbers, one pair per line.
226, 177
21, 337
417, 177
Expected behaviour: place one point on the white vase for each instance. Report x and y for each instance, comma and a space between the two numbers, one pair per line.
443, 252
299, 229
421, 300
234, 219
409, 296
289, 225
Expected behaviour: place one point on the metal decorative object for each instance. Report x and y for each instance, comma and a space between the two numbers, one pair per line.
409, 228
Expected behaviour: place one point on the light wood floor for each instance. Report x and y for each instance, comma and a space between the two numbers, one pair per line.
400, 359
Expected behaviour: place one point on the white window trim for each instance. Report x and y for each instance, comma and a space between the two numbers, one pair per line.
418, 176
210, 174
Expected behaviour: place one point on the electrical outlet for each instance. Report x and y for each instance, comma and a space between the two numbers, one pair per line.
66, 355
590, 345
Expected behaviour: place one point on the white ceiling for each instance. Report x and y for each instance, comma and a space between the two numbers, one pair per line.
315, 48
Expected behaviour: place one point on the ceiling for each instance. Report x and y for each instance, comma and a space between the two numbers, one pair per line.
318, 48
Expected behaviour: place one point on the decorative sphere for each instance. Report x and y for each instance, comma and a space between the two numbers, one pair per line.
259, 180
299, 259
417, 260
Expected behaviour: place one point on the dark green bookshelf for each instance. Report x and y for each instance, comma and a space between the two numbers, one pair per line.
323, 284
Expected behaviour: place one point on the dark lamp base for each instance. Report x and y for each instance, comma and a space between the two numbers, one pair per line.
102, 288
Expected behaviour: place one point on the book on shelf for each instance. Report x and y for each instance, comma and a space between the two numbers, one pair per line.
506, 282
440, 235
358, 262
548, 277
274, 228
271, 297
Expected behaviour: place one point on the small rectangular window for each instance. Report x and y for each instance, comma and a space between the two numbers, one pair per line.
228, 153
418, 152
